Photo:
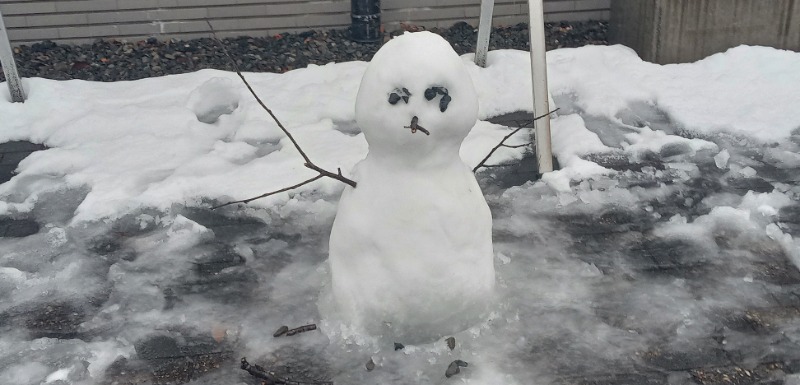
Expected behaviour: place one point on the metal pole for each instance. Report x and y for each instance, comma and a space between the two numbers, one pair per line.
484, 30
541, 104
9, 66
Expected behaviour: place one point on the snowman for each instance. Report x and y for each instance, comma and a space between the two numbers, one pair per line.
410, 249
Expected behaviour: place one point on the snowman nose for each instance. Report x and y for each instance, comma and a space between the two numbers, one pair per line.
414, 126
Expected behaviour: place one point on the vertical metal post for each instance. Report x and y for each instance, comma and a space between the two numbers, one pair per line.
9, 66
484, 30
541, 104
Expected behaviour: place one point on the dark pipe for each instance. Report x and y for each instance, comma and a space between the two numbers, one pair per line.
366, 21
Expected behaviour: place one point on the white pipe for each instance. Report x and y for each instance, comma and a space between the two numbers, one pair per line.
9, 66
541, 104
484, 30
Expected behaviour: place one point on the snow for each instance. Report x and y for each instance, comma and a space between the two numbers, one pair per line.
570, 140
58, 375
130, 162
317, 103
734, 91
215, 97
411, 245
721, 159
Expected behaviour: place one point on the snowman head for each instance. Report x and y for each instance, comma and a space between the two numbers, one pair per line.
416, 102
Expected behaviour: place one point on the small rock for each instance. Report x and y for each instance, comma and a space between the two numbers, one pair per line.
55, 61
451, 342
370, 365
452, 370
398, 346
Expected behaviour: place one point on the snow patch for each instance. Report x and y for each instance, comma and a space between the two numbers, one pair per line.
215, 97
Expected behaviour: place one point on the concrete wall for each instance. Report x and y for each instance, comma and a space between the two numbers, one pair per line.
674, 31
85, 20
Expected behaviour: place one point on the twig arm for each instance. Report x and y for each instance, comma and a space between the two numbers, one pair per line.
338, 176
502, 142
248, 200
308, 163
517, 145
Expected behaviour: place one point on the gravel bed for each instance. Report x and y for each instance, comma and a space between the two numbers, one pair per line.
122, 60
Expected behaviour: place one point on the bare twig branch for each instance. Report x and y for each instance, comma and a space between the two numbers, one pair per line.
301, 329
270, 193
285, 331
502, 142
518, 145
308, 163
338, 176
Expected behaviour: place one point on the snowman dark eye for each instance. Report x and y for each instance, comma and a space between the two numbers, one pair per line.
444, 102
431, 93
397, 94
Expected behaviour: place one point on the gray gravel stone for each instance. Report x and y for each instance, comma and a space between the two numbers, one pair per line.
123, 60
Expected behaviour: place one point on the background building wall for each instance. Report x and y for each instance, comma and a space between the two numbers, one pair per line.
675, 31
86, 20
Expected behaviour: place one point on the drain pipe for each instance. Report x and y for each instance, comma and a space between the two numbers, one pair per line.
9, 66
541, 104
365, 21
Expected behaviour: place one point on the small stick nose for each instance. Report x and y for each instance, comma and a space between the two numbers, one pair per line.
414, 126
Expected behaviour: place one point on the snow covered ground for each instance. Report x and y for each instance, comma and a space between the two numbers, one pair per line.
666, 243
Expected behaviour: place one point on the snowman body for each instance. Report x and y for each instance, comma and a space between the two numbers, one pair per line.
410, 248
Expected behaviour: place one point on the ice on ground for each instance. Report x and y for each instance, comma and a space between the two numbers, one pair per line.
570, 140
721, 159
650, 141
783, 158
627, 256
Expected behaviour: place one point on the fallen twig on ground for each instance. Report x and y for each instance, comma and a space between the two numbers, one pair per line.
502, 142
308, 163
301, 329
285, 331
281, 331
273, 378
